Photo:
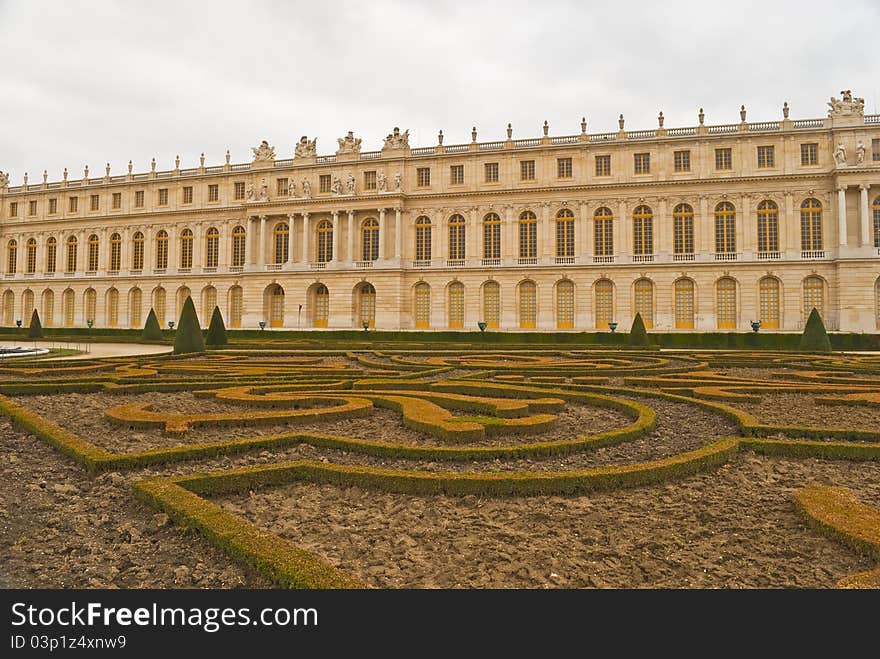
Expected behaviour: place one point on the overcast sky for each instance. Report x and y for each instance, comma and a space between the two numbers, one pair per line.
92, 82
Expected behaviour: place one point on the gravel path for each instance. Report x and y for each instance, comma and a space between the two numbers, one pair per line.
802, 410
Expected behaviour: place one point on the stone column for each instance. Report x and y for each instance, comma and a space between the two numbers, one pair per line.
103, 250
663, 231
622, 239
867, 238
173, 264
841, 215
197, 247
305, 239
261, 243
290, 258
351, 255
788, 231
223, 249
437, 236
701, 229
382, 234
398, 235
124, 250
335, 236
546, 245
471, 237
744, 234
149, 263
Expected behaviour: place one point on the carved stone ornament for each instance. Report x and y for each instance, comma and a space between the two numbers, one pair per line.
306, 148
264, 152
4, 179
381, 182
846, 105
397, 140
307, 189
349, 144
350, 183
336, 187
398, 179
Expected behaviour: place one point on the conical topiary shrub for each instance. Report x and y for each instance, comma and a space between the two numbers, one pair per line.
188, 337
35, 331
216, 330
638, 335
152, 332
815, 338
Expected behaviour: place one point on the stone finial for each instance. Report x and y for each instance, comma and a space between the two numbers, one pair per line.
177, 162
785, 110
130, 166
25, 178
742, 113
583, 125
620, 122
65, 173
202, 159
474, 134
45, 176
86, 172
660, 119
546, 128
702, 116
153, 165
227, 156
509, 131
440, 137
107, 170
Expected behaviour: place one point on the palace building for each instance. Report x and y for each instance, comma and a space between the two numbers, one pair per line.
703, 228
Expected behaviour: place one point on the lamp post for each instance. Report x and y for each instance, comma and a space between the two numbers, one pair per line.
299, 316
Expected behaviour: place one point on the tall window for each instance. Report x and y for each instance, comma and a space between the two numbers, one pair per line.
159, 299
725, 303
186, 249
491, 169
162, 250
604, 303
725, 228
8, 308
768, 226
137, 251
322, 306
113, 307
281, 187
91, 305
811, 225
565, 304
644, 301
51, 253
115, 252
528, 302
814, 297
117, 201
212, 247
810, 154
32, 207
213, 192
456, 238
456, 174
71, 254
276, 306
73, 204
53, 205
422, 303
31, 256
236, 303
492, 236
683, 229
12, 256
876, 209
766, 157
370, 180
492, 304
370, 240
423, 238
13, 209
282, 243
423, 177
768, 289
603, 221
643, 231
324, 183
48, 314
603, 165
324, 242
182, 293
163, 196
563, 168
684, 304
456, 305
94, 246
68, 307
642, 163
187, 194
682, 161
27, 307
565, 234
135, 310
877, 299
527, 170
238, 190
139, 199
528, 235
239, 243
723, 159
209, 301
367, 306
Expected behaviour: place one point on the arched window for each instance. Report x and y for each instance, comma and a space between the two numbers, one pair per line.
94, 246
186, 249
209, 301
212, 247
422, 302
814, 296
8, 308
324, 242
492, 304
423, 238
456, 305
71, 254
115, 252
367, 305
282, 243
369, 240
565, 234
31, 256
604, 303
322, 306
528, 303
528, 235
768, 226
112, 307
603, 221
276, 306
643, 231
27, 307
725, 303
877, 301
51, 253
876, 209
162, 250
456, 238
47, 316
644, 301
91, 305
565, 304
182, 293
768, 289
725, 228
137, 251
159, 306
683, 229
68, 307
684, 303
135, 307
811, 225
12, 256
239, 246
236, 299
492, 236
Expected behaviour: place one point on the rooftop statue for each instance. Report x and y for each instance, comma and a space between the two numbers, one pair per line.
846, 105
263, 152
4, 180
397, 140
306, 148
349, 144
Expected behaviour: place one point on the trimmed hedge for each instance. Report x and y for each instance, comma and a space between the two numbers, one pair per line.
188, 337
35, 329
216, 330
815, 338
152, 332
638, 335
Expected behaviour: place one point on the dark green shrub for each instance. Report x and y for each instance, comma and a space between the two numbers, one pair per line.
216, 330
35, 331
638, 335
188, 337
815, 338
152, 332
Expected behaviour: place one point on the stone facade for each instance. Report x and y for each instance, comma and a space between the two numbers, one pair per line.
703, 228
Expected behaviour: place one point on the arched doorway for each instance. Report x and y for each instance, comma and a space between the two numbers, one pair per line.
366, 302
275, 306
